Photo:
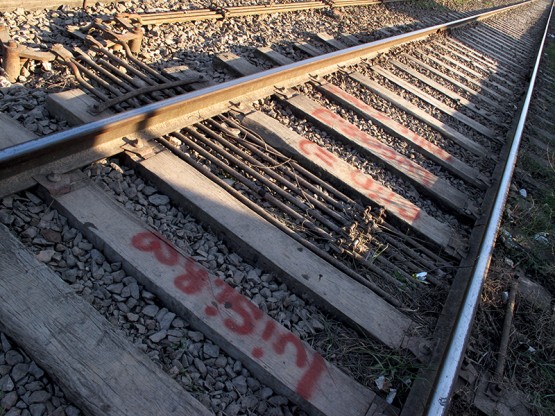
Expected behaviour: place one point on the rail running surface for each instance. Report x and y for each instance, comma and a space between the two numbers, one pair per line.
369, 179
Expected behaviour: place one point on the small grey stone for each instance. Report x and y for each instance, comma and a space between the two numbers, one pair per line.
6, 345
265, 393
278, 401
158, 336
9, 400
97, 256
5, 217
249, 402
13, 357
39, 396
150, 310
118, 275
166, 320
211, 350
233, 409
158, 199
200, 366
534, 293
240, 384
85, 246
58, 412
38, 409
35, 370
30, 232
45, 256
70, 275
220, 362
148, 295
253, 383
72, 411
51, 235
160, 315
33, 198
275, 411
135, 292
132, 317
6, 384
148, 190
115, 288
253, 275
34, 386
13, 412
196, 336
19, 371
261, 408
178, 323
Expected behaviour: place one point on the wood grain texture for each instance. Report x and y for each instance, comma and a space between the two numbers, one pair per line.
273, 56
271, 352
101, 372
12, 132
73, 106
331, 41
236, 64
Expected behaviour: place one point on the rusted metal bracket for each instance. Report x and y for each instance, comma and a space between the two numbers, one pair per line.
283, 92
420, 347
110, 39
68, 59
468, 372
139, 149
240, 108
15, 56
494, 398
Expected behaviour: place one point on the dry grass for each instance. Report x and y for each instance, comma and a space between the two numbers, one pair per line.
365, 359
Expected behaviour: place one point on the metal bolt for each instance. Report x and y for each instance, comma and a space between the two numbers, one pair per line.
54, 177
495, 389
425, 349
464, 364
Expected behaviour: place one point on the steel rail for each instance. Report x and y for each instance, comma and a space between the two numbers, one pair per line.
444, 385
174, 16
186, 109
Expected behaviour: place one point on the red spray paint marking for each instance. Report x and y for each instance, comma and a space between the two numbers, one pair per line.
386, 197
378, 115
321, 153
239, 315
385, 152
150, 242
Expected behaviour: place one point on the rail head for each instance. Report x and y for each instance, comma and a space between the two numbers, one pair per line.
162, 117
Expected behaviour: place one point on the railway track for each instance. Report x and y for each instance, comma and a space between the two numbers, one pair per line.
357, 185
